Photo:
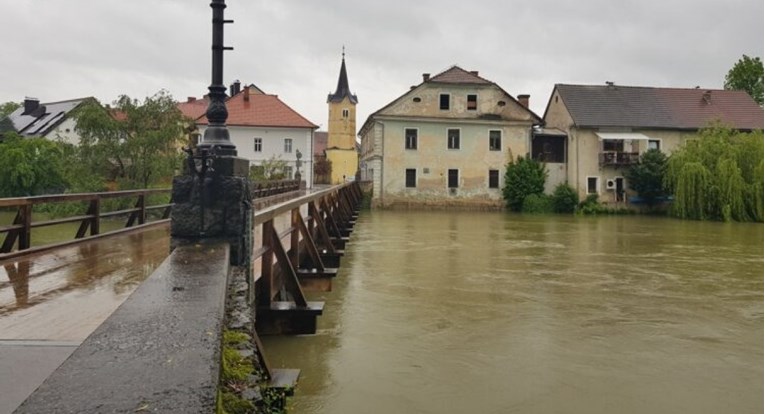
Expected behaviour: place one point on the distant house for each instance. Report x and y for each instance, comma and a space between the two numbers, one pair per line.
593, 133
445, 142
52, 120
263, 127
321, 174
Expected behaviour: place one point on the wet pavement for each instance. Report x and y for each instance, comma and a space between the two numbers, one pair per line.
50, 302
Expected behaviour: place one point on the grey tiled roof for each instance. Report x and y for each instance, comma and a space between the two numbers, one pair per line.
670, 108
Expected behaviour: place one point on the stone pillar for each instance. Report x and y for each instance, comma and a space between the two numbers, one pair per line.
214, 203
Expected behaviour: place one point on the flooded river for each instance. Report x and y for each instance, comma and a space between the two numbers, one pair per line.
455, 312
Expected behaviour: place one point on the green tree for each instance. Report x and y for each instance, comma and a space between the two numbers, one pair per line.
523, 177
30, 166
8, 107
647, 177
564, 199
135, 143
746, 75
270, 169
718, 176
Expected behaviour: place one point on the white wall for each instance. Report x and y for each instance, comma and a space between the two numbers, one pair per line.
273, 145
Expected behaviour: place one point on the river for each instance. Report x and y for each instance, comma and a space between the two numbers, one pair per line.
458, 312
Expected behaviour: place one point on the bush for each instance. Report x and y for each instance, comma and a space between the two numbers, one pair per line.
537, 204
647, 177
523, 177
564, 199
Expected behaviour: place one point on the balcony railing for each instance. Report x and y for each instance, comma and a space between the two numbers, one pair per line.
618, 158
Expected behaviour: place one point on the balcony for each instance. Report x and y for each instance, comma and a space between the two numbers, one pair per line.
618, 158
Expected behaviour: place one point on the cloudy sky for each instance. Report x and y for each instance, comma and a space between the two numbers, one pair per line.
56, 50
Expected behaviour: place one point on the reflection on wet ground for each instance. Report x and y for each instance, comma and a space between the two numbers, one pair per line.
66, 293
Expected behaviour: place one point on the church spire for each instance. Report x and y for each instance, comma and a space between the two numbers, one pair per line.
343, 89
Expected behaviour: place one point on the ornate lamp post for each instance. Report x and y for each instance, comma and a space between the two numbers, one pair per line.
216, 140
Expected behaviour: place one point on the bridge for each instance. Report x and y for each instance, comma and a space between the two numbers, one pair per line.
163, 347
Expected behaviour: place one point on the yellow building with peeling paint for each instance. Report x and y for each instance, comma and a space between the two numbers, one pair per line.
341, 142
445, 142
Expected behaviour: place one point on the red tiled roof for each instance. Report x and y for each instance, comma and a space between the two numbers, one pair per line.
193, 108
671, 108
261, 110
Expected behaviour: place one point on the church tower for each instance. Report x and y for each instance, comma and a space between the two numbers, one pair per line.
341, 136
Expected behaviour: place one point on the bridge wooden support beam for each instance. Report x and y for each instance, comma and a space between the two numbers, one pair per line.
303, 257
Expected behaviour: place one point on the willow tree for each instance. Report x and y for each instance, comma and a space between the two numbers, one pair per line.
718, 176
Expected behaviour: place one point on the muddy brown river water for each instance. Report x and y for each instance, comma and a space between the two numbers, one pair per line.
455, 312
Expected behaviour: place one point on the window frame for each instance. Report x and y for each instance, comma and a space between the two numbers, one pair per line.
413, 183
468, 101
449, 144
658, 144
499, 146
587, 184
288, 145
407, 145
449, 178
346, 113
257, 144
441, 105
496, 173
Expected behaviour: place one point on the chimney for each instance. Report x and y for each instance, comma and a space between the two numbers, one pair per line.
236, 87
190, 99
246, 93
30, 104
474, 72
524, 100
425, 77
707, 97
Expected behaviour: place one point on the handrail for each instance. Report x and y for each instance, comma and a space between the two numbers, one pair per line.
18, 234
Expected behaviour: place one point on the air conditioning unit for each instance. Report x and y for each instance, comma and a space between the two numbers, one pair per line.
610, 184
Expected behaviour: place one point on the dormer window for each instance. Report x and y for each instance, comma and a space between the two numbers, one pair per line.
472, 102
444, 100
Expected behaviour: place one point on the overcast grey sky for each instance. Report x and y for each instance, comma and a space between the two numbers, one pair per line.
56, 50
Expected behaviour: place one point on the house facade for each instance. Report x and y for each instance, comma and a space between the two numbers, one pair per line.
605, 128
51, 120
445, 142
264, 128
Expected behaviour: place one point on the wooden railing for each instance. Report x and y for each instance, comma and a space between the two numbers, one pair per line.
19, 232
18, 235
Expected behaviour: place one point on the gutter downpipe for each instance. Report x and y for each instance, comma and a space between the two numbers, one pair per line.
382, 164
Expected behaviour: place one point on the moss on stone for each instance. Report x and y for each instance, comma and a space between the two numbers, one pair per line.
235, 367
234, 337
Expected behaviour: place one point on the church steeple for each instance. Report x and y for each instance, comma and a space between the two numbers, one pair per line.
343, 90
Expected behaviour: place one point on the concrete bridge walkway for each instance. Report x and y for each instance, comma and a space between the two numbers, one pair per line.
50, 302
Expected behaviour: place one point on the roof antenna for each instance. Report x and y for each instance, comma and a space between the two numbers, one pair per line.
343, 52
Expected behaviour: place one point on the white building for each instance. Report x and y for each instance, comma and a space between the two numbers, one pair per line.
52, 120
263, 128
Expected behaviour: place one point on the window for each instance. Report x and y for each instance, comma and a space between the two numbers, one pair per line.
472, 102
654, 144
346, 113
258, 144
592, 185
288, 172
454, 178
444, 101
411, 138
613, 145
546, 148
411, 178
495, 140
493, 178
453, 138
287, 144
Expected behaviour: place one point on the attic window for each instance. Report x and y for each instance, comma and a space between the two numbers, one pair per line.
417, 99
501, 103
444, 101
472, 102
